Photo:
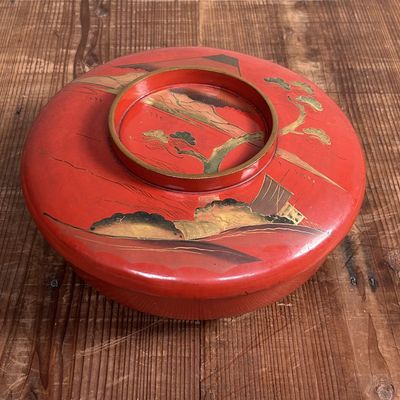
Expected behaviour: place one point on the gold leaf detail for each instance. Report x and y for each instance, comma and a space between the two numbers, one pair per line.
278, 81
302, 85
315, 104
157, 134
110, 84
318, 134
296, 160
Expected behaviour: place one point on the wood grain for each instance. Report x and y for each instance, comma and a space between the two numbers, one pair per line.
337, 337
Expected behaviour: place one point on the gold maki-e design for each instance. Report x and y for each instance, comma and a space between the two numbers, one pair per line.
212, 163
301, 102
195, 108
214, 218
301, 95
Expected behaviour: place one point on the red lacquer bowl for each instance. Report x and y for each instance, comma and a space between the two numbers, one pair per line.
193, 183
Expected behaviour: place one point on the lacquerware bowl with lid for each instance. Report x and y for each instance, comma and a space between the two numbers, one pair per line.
193, 183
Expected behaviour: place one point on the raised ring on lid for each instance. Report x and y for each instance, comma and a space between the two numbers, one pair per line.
167, 78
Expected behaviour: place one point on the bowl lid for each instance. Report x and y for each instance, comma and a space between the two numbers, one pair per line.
193, 172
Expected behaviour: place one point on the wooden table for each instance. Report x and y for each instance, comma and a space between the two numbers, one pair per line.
337, 337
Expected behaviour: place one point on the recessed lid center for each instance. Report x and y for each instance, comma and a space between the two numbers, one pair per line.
193, 129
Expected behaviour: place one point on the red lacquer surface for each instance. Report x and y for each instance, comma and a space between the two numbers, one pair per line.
194, 253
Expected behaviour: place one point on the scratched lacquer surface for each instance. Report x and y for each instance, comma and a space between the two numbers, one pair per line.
270, 232
334, 338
